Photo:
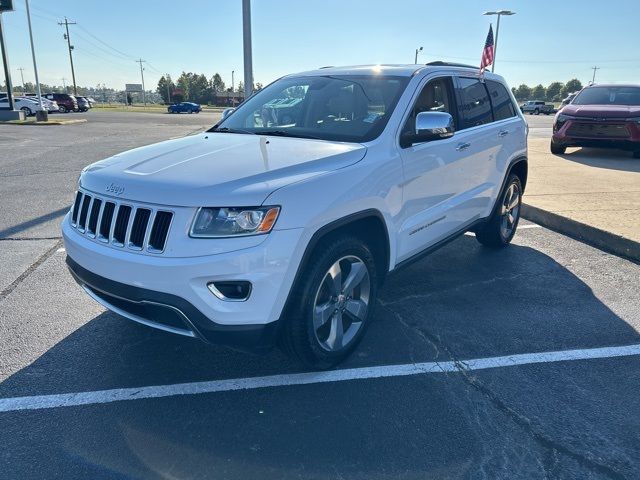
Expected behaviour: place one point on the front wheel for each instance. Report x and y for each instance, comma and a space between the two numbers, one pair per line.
501, 226
337, 293
27, 111
557, 149
536, 111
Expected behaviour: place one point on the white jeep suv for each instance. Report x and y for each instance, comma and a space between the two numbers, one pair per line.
279, 224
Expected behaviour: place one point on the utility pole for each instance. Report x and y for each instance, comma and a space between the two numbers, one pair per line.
22, 77
64, 84
593, 80
66, 24
144, 98
246, 40
499, 13
168, 89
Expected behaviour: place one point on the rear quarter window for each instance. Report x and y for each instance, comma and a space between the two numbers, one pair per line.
503, 107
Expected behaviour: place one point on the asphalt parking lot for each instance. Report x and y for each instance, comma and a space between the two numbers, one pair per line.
522, 363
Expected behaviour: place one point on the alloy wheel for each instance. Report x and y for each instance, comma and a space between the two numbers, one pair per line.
510, 210
341, 303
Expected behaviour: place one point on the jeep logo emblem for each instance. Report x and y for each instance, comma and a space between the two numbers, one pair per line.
115, 189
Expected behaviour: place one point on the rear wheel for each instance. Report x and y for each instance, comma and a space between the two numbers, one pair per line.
336, 297
501, 226
62, 109
557, 149
27, 111
536, 111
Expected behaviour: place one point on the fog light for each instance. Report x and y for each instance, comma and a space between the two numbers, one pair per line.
235, 291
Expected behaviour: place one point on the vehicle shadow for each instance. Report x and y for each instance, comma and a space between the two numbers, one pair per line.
604, 158
463, 301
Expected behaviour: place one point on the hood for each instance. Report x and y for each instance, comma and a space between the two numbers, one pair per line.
602, 111
215, 169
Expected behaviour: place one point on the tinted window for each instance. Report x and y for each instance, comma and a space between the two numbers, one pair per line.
329, 107
608, 96
500, 100
434, 97
475, 107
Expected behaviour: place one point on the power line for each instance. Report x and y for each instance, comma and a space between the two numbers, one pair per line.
105, 43
66, 23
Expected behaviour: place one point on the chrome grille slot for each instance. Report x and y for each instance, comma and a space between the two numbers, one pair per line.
76, 208
159, 231
135, 227
122, 222
83, 212
106, 221
139, 228
93, 217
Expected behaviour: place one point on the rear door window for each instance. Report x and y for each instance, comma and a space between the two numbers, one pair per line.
500, 101
474, 103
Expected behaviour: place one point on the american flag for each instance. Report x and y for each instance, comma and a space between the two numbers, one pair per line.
487, 53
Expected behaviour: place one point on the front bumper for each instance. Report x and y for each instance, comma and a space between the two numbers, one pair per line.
171, 293
598, 134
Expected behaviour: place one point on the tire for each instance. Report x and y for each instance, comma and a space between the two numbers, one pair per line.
314, 338
503, 223
62, 109
536, 111
27, 111
557, 149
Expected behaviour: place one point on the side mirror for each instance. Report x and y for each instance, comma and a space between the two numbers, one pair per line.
226, 112
430, 126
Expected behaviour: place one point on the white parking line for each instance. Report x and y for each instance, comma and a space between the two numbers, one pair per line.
159, 391
60, 250
520, 227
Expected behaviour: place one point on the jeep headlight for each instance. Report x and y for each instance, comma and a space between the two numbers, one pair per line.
223, 222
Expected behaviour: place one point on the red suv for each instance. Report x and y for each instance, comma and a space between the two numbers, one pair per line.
600, 116
66, 103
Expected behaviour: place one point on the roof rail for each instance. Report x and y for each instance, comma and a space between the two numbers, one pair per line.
451, 64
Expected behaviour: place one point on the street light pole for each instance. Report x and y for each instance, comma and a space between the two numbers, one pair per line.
499, 13
144, 98
41, 115
246, 40
417, 50
22, 77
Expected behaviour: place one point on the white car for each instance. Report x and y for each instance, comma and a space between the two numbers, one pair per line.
50, 105
280, 223
27, 105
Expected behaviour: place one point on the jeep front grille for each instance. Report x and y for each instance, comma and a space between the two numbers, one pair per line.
121, 224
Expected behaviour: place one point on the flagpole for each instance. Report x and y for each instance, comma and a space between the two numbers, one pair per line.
495, 45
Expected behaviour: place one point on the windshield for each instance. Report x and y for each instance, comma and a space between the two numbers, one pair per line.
608, 96
339, 108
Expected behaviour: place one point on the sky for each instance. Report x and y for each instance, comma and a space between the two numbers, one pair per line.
543, 42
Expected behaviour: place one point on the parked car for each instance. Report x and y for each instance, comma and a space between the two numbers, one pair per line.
261, 231
605, 116
537, 107
28, 106
50, 105
184, 107
568, 98
83, 104
66, 103
92, 102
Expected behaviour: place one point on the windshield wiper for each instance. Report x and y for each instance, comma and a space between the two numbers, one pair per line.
230, 130
284, 133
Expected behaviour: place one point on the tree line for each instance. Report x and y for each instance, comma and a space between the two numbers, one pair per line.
554, 92
193, 87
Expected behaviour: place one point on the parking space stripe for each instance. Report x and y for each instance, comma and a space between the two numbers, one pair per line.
40, 402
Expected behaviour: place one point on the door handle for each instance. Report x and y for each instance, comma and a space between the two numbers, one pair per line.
462, 146
503, 133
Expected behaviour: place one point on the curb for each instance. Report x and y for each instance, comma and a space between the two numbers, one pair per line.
44, 124
606, 241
